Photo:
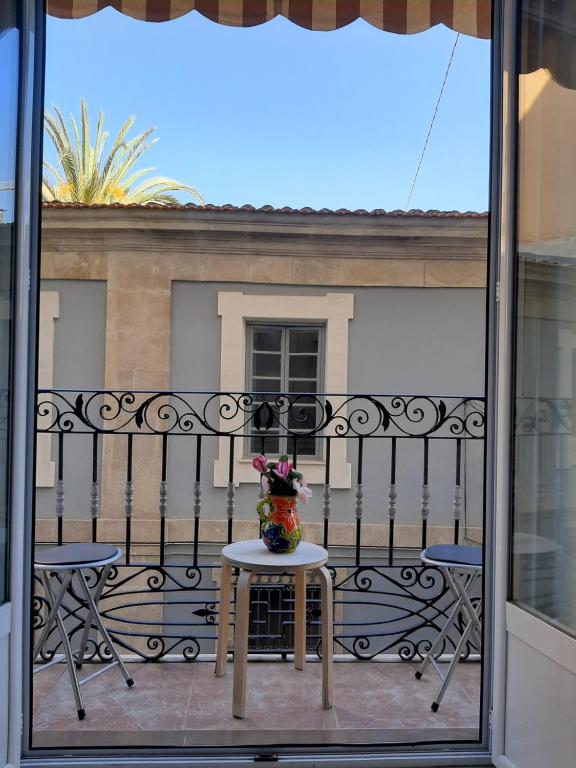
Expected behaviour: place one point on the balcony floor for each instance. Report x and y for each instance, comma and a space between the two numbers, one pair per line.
179, 705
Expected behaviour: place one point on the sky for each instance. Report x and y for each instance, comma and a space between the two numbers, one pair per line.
284, 116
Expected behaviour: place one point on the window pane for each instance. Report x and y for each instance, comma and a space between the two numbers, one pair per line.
544, 522
266, 385
9, 51
306, 446
303, 366
304, 341
266, 365
268, 444
267, 339
308, 385
302, 417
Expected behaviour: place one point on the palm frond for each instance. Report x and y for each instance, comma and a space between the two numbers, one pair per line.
88, 175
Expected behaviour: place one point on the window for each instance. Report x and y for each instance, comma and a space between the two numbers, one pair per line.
544, 487
330, 313
286, 359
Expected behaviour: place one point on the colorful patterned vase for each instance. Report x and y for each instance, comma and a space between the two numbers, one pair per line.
280, 527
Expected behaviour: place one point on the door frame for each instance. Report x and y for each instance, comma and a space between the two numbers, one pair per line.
509, 618
28, 174
502, 359
29, 167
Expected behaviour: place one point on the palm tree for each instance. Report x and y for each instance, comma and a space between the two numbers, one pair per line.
84, 174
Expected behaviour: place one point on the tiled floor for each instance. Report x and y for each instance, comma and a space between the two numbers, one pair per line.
175, 704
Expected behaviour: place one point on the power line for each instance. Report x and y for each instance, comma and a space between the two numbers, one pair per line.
432, 121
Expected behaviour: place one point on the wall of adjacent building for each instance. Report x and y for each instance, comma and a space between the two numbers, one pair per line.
138, 293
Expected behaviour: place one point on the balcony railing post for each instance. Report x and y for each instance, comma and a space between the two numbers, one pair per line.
425, 498
392, 502
163, 499
230, 495
95, 489
129, 497
359, 498
457, 501
60, 489
327, 495
197, 496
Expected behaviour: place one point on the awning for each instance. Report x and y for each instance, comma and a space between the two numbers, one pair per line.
469, 17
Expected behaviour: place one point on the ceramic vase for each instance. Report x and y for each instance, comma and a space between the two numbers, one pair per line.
280, 527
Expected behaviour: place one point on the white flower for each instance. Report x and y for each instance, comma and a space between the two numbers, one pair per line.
265, 485
304, 493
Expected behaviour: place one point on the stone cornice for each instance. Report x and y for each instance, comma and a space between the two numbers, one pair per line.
353, 236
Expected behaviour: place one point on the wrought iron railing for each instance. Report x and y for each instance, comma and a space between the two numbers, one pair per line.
383, 604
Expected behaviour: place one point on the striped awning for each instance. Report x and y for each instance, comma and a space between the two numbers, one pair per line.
470, 17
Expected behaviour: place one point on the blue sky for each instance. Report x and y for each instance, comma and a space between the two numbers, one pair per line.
280, 115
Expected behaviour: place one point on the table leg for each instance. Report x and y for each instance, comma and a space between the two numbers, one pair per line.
223, 620
241, 643
300, 619
327, 636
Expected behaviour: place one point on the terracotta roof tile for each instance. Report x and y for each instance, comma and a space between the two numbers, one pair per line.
228, 208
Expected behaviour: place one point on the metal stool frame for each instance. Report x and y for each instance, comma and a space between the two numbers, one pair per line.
74, 661
461, 578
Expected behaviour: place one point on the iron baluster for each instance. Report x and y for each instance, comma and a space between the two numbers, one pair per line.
95, 489
60, 489
230, 493
457, 502
197, 496
425, 498
129, 497
359, 498
392, 502
163, 500
327, 495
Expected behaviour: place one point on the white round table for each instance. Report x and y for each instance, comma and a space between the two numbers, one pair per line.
252, 557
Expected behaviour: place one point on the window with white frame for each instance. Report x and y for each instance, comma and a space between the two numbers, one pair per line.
286, 358
330, 313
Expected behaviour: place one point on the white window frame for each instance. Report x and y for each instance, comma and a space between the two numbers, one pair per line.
236, 309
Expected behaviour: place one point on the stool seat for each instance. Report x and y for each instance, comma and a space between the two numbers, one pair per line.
76, 556
453, 555
255, 555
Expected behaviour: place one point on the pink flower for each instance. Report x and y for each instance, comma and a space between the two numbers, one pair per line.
260, 464
282, 469
304, 493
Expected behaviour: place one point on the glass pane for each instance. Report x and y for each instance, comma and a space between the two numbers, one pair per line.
307, 385
544, 502
266, 385
303, 366
9, 51
302, 417
268, 444
266, 364
304, 341
306, 446
267, 339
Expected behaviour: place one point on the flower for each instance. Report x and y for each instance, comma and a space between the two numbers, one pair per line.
265, 485
282, 469
260, 464
303, 492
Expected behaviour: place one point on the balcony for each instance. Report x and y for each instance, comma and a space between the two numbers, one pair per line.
392, 474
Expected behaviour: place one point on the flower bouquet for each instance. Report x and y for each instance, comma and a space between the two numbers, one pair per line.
281, 486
